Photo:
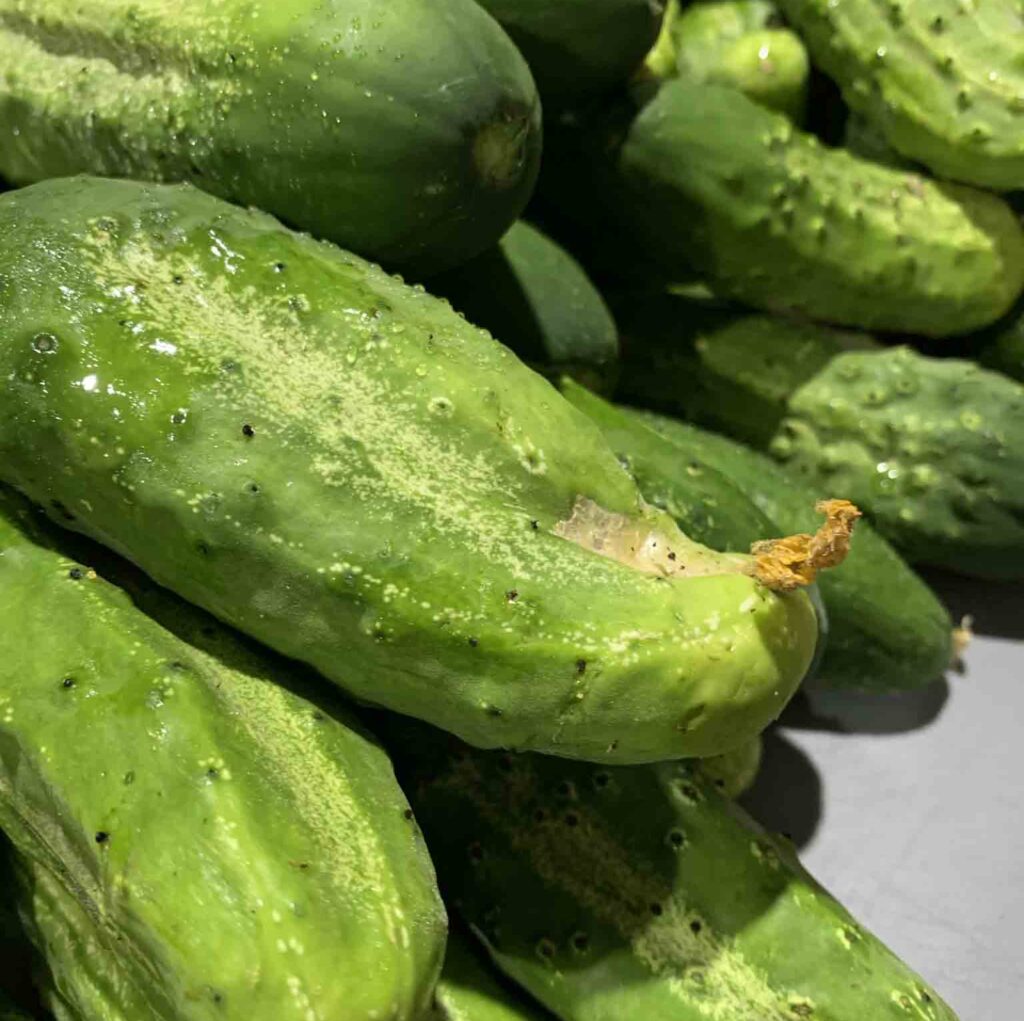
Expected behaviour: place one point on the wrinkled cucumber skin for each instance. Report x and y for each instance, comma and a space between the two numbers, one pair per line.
616, 894
942, 80
741, 43
887, 630
408, 131
470, 990
780, 222
195, 841
342, 467
536, 298
578, 49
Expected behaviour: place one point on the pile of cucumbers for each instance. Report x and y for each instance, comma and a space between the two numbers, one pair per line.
392, 648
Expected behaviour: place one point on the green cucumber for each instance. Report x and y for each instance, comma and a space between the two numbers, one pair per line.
742, 43
536, 298
735, 772
617, 894
407, 131
778, 221
932, 449
942, 80
579, 49
886, 629
470, 990
322, 456
195, 840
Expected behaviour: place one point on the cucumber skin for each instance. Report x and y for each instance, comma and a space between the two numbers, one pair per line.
536, 298
395, 452
407, 131
469, 989
718, 184
886, 629
579, 49
178, 791
572, 876
735, 772
942, 82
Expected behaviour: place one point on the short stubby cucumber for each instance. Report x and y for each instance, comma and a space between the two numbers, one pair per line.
942, 80
718, 183
618, 894
342, 467
743, 43
470, 990
195, 840
578, 49
408, 131
886, 630
536, 298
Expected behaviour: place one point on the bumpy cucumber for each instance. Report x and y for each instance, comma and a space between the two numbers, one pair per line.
468, 990
579, 48
535, 297
887, 630
322, 456
943, 80
195, 840
619, 894
781, 222
742, 43
931, 448
408, 131
736, 771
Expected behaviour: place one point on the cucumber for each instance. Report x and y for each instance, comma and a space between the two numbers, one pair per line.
735, 772
322, 456
470, 990
617, 894
195, 840
744, 44
579, 49
776, 220
942, 80
886, 630
408, 131
536, 298
932, 449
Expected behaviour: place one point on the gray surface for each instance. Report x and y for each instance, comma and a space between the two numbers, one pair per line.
910, 810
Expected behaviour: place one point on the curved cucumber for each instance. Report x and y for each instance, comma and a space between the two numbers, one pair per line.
195, 840
536, 298
579, 48
943, 81
887, 630
322, 456
408, 131
469, 991
742, 43
780, 222
617, 894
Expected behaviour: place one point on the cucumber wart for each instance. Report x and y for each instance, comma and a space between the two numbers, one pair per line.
194, 840
342, 467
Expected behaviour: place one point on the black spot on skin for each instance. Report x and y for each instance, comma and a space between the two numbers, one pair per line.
656, 909
581, 666
248, 430
512, 595
76, 574
68, 682
102, 837
474, 642
695, 927
407, 814
571, 819
535, 525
